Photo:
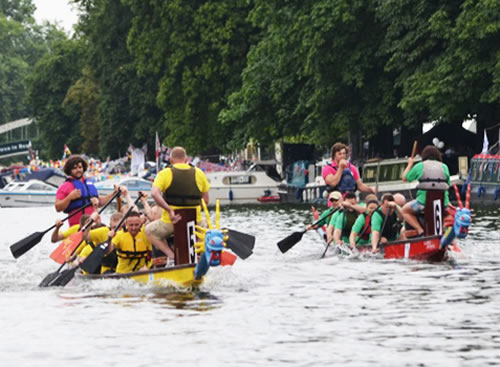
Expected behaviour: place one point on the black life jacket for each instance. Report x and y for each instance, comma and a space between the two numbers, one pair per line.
349, 219
392, 225
183, 190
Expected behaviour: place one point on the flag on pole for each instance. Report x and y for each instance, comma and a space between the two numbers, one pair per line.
67, 152
157, 152
485, 143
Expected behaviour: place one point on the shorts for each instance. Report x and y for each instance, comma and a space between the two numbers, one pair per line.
160, 229
416, 206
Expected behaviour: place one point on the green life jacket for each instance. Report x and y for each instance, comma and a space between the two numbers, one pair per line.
183, 190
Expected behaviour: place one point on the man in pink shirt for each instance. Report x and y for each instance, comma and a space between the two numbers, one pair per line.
77, 191
341, 175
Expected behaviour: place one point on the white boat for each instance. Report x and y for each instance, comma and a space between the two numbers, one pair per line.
132, 183
29, 193
243, 187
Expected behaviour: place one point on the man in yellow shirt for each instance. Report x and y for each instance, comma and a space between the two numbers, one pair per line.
133, 248
178, 186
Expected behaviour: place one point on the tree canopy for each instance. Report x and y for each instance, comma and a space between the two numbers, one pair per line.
213, 75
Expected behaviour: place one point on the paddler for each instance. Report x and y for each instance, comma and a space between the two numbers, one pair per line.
342, 175
345, 220
97, 236
361, 230
77, 191
385, 224
133, 247
432, 174
178, 186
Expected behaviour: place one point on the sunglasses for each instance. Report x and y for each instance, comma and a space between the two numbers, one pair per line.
333, 200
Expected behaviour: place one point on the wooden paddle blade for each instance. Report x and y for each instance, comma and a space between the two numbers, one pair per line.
26, 244
290, 241
240, 243
94, 260
64, 278
64, 251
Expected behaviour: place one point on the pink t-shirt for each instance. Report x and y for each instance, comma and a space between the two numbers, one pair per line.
63, 191
329, 170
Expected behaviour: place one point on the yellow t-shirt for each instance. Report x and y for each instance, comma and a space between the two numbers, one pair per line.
164, 179
124, 242
71, 230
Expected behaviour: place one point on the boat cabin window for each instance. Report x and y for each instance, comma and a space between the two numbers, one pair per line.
391, 172
41, 187
239, 180
370, 174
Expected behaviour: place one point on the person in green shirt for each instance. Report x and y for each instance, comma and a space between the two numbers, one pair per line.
361, 230
385, 224
346, 218
432, 174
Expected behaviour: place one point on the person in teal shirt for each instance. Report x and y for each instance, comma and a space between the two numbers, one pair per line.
432, 174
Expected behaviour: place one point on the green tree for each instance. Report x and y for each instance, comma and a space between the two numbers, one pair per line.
197, 51
52, 77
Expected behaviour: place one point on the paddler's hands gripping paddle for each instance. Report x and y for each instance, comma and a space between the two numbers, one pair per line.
94, 260
287, 243
50, 278
26, 244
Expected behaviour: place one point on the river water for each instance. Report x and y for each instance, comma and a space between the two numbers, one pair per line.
272, 309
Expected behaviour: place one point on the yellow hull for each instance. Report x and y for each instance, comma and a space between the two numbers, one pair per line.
182, 275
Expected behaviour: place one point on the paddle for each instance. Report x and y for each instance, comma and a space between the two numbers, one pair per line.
52, 277
64, 251
26, 244
287, 243
93, 261
240, 243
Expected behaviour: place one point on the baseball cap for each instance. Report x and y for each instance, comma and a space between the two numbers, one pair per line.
335, 195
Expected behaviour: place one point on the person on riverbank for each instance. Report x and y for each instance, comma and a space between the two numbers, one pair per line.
178, 186
361, 230
341, 175
432, 174
385, 226
77, 191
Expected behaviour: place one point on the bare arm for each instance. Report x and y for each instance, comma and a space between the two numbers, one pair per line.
158, 198
56, 235
104, 199
205, 197
364, 188
336, 236
62, 204
375, 238
352, 239
407, 169
329, 233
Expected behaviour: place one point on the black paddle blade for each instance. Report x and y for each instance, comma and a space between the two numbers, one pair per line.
26, 244
94, 260
240, 243
290, 241
46, 282
64, 278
